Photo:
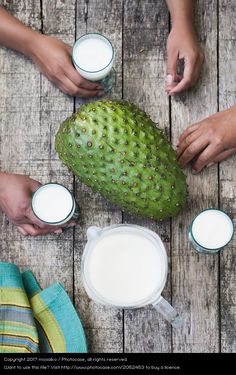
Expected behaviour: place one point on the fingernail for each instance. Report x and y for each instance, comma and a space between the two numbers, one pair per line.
210, 164
58, 231
22, 231
169, 78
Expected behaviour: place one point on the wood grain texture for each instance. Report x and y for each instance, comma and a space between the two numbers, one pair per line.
201, 287
104, 326
227, 98
146, 26
58, 19
31, 109
195, 276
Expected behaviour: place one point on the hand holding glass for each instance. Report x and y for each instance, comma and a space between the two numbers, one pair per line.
93, 56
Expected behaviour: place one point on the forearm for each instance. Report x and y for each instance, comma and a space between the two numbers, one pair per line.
181, 12
14, 34
3, 177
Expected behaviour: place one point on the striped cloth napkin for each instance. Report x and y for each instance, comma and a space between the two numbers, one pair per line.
34, 320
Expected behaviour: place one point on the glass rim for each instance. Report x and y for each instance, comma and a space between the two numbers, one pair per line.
67, 218
92, 291
92, 71
214, 248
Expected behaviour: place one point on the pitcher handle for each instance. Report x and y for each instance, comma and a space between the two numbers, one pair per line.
168, 312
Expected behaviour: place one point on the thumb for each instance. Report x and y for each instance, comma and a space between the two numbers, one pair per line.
34, 185
69, 49
223, 155
172, 60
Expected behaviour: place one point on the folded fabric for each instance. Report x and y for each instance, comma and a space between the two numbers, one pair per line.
53, 317
18, 333
59, 327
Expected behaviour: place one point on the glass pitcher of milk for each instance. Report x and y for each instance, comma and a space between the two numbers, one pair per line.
125, 266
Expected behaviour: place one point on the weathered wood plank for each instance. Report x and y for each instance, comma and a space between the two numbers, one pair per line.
29, 118
31, 109
227, 98
146, 25
104, 327
58, 21
195, 275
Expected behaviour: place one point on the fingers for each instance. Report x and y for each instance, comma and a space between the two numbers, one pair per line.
35, 221
222, 156
84, 93
88, 85
68, 48
193, 150
22, 230
30, 229
32, 219
191, 72
172, 61
206, 157
76, 85
68, 87
71, 223
34, 185
187, 81
170, 83
184, 84
186, 142
79, 81
35, 230
188, 131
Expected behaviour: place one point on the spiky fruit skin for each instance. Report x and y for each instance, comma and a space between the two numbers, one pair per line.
117, 150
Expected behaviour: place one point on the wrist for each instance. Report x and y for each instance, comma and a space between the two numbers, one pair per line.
3, 176
185, 26
30, 45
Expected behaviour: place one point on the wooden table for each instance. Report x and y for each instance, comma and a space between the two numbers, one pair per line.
201, 287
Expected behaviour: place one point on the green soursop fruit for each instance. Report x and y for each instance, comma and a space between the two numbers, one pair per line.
117, 150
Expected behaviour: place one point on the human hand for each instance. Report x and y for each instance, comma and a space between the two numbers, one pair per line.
15, 200
209, 141
182, 44
53, 58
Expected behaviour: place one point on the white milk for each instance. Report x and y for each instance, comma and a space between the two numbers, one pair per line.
93, 56
52, 203
212, 229
125, 268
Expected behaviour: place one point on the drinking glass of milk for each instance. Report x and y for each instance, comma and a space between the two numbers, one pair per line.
211, 231
54, 204
125, 266
93, 56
